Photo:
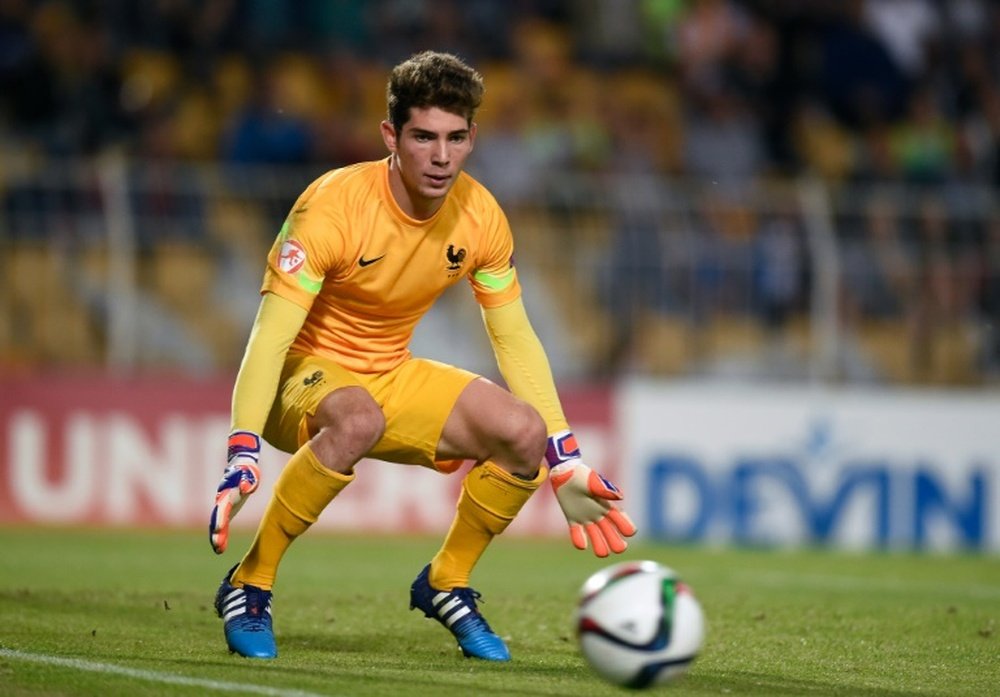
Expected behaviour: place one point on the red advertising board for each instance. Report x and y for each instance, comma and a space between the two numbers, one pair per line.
77, 450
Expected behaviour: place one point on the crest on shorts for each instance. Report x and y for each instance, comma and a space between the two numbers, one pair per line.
313, 379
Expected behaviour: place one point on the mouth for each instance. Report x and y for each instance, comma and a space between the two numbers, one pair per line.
437, 180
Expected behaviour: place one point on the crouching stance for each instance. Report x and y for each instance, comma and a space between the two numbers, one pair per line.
328, 377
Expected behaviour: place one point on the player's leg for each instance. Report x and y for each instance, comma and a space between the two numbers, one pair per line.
336, 421
507, 439
439, 416
506, 436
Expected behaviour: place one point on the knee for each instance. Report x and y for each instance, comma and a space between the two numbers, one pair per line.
349, 421
527, 439
361, 428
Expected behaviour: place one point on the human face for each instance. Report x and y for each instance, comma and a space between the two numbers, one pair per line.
426, 158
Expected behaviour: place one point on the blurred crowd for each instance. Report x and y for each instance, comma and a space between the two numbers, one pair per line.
860, 89
866, 95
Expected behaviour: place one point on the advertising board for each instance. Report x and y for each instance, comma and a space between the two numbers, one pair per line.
793, 466
149, 452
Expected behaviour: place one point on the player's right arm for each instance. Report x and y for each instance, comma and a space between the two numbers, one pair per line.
277, 324
274, 329
305, 249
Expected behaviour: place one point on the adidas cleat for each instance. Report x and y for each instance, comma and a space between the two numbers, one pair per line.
456, 610
246, 613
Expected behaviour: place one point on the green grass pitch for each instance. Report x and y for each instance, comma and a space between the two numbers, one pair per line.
103, 613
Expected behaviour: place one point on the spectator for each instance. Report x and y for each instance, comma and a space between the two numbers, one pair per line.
709, 35
988, 299
857, 75
60, 86
879, 266
270, 130
779, 270
923, 144
943, 295
906, 28
723, 140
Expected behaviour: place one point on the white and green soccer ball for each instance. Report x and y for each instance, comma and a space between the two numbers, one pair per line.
638, 624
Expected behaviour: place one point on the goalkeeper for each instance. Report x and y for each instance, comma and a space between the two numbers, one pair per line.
328, 377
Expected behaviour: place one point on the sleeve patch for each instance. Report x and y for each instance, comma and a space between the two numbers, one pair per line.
292, 256
308, 283
494, 281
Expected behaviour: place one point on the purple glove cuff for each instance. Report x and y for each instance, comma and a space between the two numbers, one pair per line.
561, 447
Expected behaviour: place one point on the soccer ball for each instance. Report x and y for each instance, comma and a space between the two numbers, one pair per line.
638, 624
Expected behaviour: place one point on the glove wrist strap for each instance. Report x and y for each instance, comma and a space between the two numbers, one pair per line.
561, 447
244, 444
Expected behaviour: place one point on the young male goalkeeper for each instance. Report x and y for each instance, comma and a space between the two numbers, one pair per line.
328, 377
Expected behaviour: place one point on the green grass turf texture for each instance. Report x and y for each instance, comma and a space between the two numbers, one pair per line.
779, 622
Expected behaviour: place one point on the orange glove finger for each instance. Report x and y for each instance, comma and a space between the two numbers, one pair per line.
220, 541
220, 524
222, 512
577, 536
611, 534
621, 521
596, 536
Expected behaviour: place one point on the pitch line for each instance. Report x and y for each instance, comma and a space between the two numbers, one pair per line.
152, 675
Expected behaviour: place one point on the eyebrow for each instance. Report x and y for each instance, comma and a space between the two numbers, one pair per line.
424, 132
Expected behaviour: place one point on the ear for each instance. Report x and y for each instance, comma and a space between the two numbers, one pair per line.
472, 136
388, 136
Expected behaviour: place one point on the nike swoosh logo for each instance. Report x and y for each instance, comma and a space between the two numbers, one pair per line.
365, 262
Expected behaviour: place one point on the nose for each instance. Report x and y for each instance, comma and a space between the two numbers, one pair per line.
439, 154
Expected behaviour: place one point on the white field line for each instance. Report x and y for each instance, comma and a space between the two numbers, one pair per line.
151, 675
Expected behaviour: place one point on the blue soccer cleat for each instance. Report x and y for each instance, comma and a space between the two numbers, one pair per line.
246, 612
456, 610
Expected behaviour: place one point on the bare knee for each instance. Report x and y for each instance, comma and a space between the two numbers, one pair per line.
347, 424
524, 438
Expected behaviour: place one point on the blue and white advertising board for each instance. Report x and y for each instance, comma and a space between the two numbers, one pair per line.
795, 466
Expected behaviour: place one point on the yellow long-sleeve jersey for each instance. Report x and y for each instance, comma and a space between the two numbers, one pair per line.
350, 275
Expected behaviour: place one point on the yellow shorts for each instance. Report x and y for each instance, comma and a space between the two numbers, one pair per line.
416, 399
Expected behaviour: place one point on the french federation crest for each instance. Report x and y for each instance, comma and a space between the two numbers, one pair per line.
292, 256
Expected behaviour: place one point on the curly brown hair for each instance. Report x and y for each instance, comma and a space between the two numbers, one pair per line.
433, 79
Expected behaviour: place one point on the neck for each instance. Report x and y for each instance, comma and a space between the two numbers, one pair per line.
415, 206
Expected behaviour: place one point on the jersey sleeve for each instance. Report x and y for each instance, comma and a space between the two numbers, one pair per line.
494, 280
308, 248
523, 363
275, 327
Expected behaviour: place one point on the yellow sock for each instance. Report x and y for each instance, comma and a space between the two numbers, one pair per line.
304, 488
491, 497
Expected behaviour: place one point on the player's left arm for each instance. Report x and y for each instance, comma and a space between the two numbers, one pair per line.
586, 498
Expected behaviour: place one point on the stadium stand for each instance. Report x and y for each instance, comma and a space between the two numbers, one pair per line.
669, 180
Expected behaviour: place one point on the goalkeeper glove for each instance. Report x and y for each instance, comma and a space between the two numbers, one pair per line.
240, 479
585, 498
